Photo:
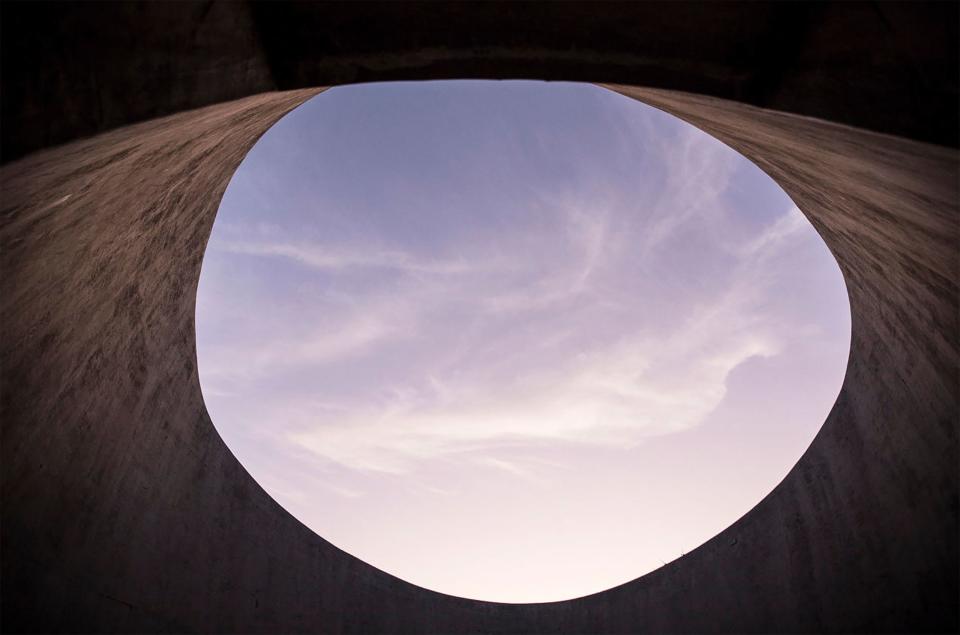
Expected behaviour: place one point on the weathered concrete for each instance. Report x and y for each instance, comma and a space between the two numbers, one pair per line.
76, 68
122, 508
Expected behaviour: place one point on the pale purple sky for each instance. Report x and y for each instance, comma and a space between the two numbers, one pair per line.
513, 341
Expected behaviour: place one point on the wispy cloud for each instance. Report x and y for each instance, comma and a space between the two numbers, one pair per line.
765, 243
556, 312
583, 243
698, 172
338, 258
318, 347
617, 392
619, 396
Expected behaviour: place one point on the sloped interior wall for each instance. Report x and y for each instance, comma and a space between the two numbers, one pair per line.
123, 510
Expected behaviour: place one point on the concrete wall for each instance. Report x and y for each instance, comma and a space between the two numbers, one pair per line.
72, 69
122, 510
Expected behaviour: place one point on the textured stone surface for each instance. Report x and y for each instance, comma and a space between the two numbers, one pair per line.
122, 510
76, 68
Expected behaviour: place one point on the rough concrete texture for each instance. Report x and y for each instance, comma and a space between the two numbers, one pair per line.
122, 509
76, 68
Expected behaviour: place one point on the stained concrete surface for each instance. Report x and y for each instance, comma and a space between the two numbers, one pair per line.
72, 69
122, 510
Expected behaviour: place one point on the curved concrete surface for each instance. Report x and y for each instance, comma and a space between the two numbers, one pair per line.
124, 511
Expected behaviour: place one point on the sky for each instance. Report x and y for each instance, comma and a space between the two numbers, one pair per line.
513, 341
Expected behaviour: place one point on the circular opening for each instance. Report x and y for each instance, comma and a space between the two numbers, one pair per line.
513, 341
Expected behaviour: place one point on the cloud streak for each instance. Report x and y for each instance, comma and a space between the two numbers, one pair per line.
334, 259
618, 392
532, 334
